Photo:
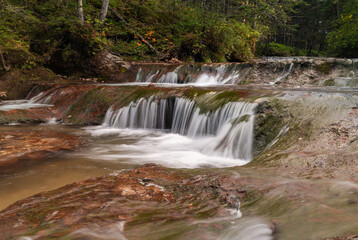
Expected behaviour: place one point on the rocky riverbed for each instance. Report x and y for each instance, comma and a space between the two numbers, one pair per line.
17, 147
301, 183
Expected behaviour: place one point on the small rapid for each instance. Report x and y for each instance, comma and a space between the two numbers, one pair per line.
185, 132
269, 71
204, 76
25, 104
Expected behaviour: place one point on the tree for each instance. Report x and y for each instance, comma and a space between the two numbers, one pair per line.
80, 12
344, 39
104, 10
131, 28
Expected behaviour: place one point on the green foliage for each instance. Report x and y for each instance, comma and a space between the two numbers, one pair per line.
344, 39
33, 32
277, 49
188, 32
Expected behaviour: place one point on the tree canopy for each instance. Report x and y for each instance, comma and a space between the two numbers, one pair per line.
189, 30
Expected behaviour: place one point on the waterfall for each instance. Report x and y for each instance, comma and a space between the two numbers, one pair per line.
35, 102
219, 76
149, 114
231, 125
285, 73
268, 70
158, 76
205, 75
170, 77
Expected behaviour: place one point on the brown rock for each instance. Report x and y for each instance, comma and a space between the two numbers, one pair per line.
32, 146
148, 197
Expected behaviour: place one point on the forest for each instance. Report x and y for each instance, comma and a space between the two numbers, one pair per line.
179, 119
39, 32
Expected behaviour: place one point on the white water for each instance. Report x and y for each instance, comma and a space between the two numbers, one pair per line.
188, 138
249, 229
24, 104
213, 76
140, 146
285, 73
206, 75
344, 73
220, 76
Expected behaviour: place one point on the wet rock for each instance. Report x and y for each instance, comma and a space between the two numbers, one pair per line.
110, 66
270, 119
61, 97
353, 237
135, 204
17, 147
320, 141
34, 115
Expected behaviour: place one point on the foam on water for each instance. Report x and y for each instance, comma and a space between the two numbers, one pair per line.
24, 104
34, 102
224, 135
209, 75
148, 146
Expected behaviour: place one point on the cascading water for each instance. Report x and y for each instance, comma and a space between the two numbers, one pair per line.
232, 124
270, 71
217, 74
205, 75
285, 73
35, 102
157, 76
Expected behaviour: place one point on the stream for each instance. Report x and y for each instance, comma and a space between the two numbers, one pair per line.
296, 179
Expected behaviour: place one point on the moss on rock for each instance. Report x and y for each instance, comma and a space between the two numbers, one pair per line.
271, 116
324, 68
329, 82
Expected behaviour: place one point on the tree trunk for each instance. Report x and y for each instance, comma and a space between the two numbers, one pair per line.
81, 17
7, 68
3, 7
338, 10
136, 33
104, 9
173, 17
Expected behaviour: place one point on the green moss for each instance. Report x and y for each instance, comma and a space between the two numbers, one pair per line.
244, 118
212, 101
19, 83
329, 82
324, 68
252, 196
273, 207
270, 118
90, 108
142, 93
193, 93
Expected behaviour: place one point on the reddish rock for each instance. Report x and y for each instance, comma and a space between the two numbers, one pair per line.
16, 146
128, 203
